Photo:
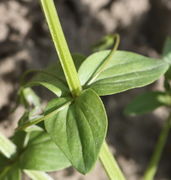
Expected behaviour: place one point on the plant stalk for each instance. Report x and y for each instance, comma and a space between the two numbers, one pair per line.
153, 165
61, 46
109, 163
72, 78
116, 39
41, 118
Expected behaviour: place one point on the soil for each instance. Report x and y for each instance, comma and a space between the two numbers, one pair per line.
25, 43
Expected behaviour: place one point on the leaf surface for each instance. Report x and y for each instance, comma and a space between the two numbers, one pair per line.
49, 81
79, 129
42, 154
124, 71
148, 102
7, 147
31, 98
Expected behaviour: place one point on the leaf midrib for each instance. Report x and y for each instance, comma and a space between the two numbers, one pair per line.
125, 74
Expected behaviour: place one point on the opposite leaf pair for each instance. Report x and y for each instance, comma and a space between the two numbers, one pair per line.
124, 71
79, 126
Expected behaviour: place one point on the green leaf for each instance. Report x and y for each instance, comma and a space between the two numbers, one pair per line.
79, 129
31, 97
49, 81
148, 102
39, 127
32, 105
18, 139
105, 43
124, 71
42, 154
11, 172
51, 78
167, 50
38, 175
7, 147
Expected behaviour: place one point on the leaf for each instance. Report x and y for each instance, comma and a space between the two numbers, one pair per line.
32, 105
49, 81
11, 172
7, 147
37, 175
42, 154
18, 139
53, 77
104, 43
148, 102
39, 127
79, 129
124, 71
31, 97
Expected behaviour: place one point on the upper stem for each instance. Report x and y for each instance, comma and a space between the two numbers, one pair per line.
153, 165
61, 47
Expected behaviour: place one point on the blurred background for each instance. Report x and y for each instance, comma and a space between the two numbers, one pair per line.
25, 43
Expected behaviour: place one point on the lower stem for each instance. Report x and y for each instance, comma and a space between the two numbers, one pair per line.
109, 163
153, 165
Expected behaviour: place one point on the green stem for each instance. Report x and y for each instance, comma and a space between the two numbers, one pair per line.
109, 163
42, 118
61, 46
72, 78
116, 40
153, 165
